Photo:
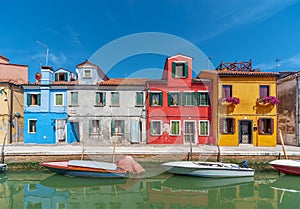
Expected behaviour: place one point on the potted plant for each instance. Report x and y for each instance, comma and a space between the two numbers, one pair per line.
268, 100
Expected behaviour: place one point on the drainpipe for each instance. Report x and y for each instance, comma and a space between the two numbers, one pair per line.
10, 113
297, 111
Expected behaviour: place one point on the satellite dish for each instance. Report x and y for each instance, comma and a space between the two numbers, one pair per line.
38, 77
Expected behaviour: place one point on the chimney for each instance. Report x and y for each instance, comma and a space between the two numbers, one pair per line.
46, 76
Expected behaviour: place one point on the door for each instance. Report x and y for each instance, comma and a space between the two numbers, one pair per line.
135, 131
74, 131
189, 131
60, 130
245, 132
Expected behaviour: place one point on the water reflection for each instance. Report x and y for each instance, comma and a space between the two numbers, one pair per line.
43, 190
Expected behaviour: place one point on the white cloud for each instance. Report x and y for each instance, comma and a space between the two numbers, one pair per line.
74, 36
288, 64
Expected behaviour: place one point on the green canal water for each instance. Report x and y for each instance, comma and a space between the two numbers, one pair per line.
45, 190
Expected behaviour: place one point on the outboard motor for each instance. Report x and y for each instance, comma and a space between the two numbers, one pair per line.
245, 164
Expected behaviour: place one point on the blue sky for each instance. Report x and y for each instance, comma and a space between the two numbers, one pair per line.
225, 30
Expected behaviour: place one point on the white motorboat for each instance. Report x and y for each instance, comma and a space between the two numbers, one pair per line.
207, 169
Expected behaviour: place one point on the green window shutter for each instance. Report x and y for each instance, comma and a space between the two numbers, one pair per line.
151, 127
151, 99
186, 69
104, 98
66, 76
39, 99
112, 127
207, 99
173, 69
97, 99
194, 100
90, 126
177, 127
169, 98
122, 124
56, 76
184, 99
139, 98
29, 100
98, 126
161, 99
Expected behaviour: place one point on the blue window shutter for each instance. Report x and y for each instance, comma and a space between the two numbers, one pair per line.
104, 98
97, 102
39, 99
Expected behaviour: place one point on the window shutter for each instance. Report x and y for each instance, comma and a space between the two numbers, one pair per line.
185, 69
179, 98
66, 76
97, 102
272, 125
39, 99
150, 101
233, 125
90, 126
184, 98
161, 98
151, 127
169, 98
122, 124
194, 99
177, 128
173, 69
222, 125
28, 100
56, 76
260, 126
104, 98
207, 99
112, 127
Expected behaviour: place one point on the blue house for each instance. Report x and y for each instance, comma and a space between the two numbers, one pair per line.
45, 107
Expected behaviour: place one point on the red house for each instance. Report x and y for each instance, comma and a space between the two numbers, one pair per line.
178, 106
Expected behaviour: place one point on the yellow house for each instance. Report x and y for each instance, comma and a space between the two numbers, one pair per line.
244, 109
12, 76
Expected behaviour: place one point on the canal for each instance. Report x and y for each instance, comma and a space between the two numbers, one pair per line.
45, 190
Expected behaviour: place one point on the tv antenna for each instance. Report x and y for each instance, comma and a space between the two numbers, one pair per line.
276, 63
47, 50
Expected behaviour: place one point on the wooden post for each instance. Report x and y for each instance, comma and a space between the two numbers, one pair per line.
282, 144
114, 150
2, 150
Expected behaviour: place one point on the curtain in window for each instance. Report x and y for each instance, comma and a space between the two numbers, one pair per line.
59, 99
74, 98
175, 128
226, 90
263, 91
139, 98
115, 98
60, 130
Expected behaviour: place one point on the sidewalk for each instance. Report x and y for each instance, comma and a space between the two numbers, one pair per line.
141, 149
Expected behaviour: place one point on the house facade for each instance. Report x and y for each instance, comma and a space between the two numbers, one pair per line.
178, 107
103, 110
12, 76
288, 112
45, 108
245, 103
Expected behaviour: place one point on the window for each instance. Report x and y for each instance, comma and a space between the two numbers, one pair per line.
264, 91
33, 99
203, 128
156, 99
58, 99
100, 99
155, 128
74, 98
226, 91
173, 98
61, 77
117, 127
189, 98
115, 99
175, 127
227, 125
87, 73
265, 126
94, 127
203, 99
180, 69
31, 126
139, 99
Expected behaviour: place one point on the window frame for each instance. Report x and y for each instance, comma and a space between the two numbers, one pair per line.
193, 101
58, 75
87, 73
223, 126
71, 103
224, 93
38, 99
179, 126
29, 126
111, 99
92, 127
260, 91
160, 97
113, 127
160, 126
207, 128
261, 124
137, 104
55, 99
178, 93
207, 99
103, 98
184, 69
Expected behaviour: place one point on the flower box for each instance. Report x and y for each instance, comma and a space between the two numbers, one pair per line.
268, 100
